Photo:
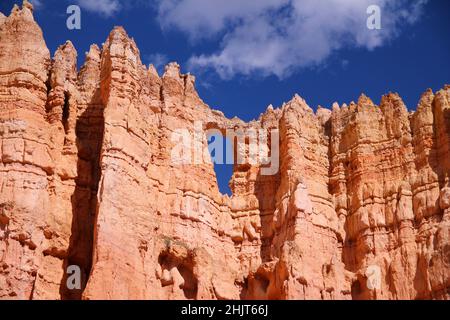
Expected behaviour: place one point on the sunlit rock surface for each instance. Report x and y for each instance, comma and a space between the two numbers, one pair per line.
87, 178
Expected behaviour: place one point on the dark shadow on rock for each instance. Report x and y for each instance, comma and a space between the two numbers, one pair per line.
89, 137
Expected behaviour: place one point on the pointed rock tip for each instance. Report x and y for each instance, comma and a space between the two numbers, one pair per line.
28, 5
93, 53
427, 94
335, 107
393, 94
190, 77
25, 5
426, 98
364, 100
94, 49
116, 33
390, 96
119, 29
152, 70
68, 45
66, 49
297, 97
172, 69
26, 12
172, 65
301, 102
119, 36
15, 9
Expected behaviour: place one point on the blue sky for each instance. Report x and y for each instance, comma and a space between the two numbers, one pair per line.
249, 54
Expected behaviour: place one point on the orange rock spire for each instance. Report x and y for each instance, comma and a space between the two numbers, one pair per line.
87, 179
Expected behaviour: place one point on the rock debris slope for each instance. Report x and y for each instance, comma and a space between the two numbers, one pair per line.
87, 179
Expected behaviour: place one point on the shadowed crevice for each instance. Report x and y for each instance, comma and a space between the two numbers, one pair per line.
89, 133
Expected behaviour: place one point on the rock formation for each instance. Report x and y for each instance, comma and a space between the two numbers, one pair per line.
87, 178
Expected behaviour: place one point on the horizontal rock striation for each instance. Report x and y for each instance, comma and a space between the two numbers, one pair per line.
88, 178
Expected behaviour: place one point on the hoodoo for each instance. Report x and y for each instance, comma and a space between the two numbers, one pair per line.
87, 179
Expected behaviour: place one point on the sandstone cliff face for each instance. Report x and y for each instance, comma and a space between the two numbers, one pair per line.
88, 178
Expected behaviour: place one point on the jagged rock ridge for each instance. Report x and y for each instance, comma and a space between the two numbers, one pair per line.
87, 179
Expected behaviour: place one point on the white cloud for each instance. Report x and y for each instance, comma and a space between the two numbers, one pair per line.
158, 60
204, 18
37, 4
104, 7
279, 37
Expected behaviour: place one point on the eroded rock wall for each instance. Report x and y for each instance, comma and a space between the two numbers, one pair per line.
88, 178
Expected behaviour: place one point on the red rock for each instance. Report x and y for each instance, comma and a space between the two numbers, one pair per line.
88, 179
